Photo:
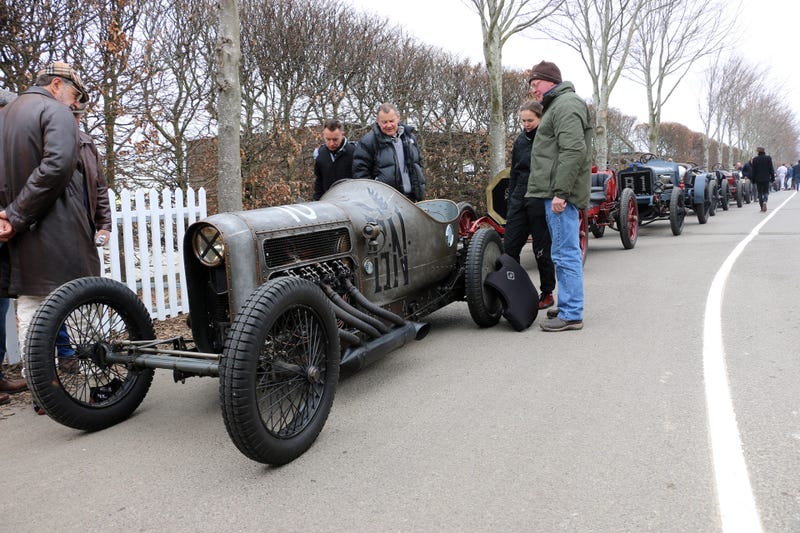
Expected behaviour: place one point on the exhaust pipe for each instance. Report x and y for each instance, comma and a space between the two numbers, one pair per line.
371, 307
356, 358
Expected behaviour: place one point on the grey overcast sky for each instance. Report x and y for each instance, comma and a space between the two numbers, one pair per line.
764, 36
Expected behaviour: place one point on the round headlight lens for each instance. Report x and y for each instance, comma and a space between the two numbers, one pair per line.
208, 246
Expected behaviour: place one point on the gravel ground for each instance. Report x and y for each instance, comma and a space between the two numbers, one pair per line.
171, 327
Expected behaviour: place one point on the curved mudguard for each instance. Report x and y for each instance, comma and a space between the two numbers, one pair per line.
699, 190
516, 292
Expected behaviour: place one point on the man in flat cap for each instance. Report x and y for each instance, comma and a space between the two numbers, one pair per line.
561, 175
43, 218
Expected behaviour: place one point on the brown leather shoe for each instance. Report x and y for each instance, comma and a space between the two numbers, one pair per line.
4, 398
13, 385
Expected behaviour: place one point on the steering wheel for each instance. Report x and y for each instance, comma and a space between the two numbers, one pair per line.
647, 156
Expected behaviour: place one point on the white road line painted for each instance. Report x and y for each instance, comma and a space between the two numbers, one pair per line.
737, 506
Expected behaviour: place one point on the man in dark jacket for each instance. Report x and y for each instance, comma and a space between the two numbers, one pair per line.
91, 166
796, 176
763, 173
44, 221
389, 153
334, 159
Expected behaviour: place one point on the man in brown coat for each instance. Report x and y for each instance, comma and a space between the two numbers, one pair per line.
44, 221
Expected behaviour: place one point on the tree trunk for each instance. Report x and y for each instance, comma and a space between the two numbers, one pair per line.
229, 165
497, 127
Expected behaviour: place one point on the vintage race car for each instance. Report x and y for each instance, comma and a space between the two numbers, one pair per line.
280, 299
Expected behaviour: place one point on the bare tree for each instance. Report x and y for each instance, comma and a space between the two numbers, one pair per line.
601, 31
669, 41
177, 94
500, 19
229, 188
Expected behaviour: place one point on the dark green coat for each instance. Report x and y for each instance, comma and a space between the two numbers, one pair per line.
561, 158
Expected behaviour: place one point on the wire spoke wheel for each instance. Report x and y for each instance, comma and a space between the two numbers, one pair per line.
279, 370
69, 336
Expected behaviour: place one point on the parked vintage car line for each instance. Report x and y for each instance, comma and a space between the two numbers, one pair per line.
281, 298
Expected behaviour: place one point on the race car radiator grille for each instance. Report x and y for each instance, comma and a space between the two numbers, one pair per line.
294, 249
641, 182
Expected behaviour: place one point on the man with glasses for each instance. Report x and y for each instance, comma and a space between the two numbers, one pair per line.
561, 175
43, 216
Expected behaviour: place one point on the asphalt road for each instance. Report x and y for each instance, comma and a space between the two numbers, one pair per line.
603, 430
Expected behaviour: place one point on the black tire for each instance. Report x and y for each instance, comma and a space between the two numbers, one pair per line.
485, 306
279, 370
701, 209
597, 231
738, 193
711, 193
725, 195
677, 211
96, 314
628, 219
748, 192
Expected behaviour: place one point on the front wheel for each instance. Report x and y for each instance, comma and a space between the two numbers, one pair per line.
485, 248
69, 335
677, 211
628, 219
278, 372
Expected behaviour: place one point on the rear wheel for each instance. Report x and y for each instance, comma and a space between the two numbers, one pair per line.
628, 219
739, 191
711, 193
701, 209
725, 195
279, 370
69, 336
485, 248
677, 211
466, 217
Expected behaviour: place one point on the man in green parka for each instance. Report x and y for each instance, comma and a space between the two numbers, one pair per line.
561, 174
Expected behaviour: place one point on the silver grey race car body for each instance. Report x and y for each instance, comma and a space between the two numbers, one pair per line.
280, 300
396, 251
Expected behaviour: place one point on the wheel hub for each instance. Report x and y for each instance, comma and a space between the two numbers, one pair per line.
313, 374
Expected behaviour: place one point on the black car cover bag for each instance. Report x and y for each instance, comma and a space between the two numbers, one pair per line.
516, 292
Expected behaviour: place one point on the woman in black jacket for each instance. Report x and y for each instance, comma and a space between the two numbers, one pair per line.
518, 227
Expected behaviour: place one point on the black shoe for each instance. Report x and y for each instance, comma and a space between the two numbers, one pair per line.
559, 324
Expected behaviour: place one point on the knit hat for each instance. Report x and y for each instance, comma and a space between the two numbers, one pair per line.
63, 70
545, 71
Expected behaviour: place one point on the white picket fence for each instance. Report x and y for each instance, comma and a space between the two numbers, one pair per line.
145, 251
150, 259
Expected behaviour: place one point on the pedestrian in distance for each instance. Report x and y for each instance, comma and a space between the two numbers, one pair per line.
796, 176
518, 225
763, 175
389, 153
561, 175
334, 158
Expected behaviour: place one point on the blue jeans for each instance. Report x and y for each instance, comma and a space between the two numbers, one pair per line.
566, 254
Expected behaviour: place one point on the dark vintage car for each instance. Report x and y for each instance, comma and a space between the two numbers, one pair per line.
281, 299
664, 191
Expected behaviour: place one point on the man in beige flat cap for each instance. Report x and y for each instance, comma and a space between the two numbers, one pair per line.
42, 195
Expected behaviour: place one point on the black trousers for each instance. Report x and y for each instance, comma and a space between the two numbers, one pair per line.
525, 216
762, 188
